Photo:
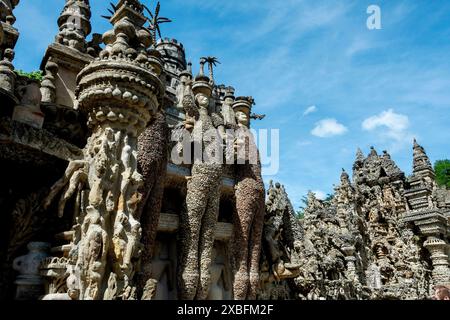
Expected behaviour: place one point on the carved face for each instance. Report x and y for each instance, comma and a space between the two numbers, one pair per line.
242, 118
202, 100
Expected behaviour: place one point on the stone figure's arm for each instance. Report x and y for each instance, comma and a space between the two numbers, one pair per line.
189, 106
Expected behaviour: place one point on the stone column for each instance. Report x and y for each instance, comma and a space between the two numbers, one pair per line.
9, 36
440, 259
119, 94
350, 260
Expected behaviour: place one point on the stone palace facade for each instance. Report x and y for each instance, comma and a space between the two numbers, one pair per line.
94, 206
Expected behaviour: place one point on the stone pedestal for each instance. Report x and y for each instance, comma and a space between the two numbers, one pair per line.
30, 285
438, 250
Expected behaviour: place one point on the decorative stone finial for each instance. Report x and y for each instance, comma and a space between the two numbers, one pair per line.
6, 11
30, 284
74, 24
202, 83
8, 39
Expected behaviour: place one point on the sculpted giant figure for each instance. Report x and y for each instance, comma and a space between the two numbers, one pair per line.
203, 194
249, 220
152, 164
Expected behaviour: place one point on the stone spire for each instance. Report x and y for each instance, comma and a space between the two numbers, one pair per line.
345, 179
359, 155
74, 24
421, 162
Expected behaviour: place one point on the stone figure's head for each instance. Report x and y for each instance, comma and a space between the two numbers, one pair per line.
202, 91
202, 100
242, 107
242, 118
229, 96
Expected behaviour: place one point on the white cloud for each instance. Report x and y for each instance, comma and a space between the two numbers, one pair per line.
319, 194
328, 128
393, 121
393, 127
309, 110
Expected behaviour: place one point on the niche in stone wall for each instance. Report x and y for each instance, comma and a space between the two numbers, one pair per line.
226, 210
164, 265
221, 277
173, 201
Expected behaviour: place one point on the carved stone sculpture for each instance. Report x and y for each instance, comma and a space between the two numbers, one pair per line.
203, 198
249, 208
109, 243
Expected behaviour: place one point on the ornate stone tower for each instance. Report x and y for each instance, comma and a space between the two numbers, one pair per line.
66, 57
426, 213
119, 93
177, 72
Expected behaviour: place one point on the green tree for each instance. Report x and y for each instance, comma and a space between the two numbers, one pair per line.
442, 169
301, 211
34, 75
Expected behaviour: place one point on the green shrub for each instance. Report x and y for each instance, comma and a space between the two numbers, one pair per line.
35, 75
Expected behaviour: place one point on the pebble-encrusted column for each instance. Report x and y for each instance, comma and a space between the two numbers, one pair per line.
119, 93
439, 257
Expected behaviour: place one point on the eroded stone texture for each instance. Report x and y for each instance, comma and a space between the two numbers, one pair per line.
152, 163
367, 242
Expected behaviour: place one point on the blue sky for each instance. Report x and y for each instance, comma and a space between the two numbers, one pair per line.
319, 74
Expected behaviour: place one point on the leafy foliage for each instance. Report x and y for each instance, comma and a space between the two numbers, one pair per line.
442, 169
301, 211
34, 75
300, 214
155, 21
